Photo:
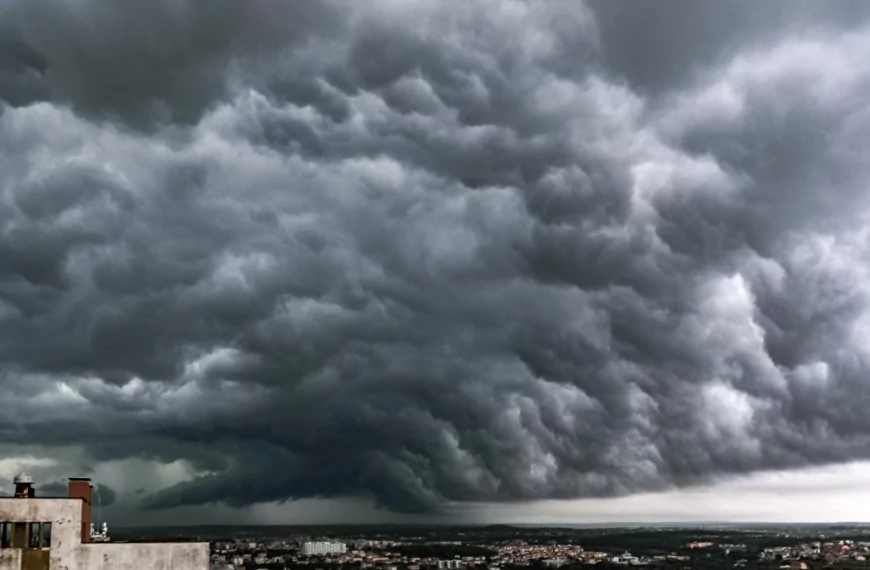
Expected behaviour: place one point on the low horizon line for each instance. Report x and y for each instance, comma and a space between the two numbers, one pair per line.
632, 524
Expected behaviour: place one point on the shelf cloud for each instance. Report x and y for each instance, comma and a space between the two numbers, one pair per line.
429, 253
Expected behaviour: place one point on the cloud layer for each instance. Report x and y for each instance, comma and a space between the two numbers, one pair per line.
428, 253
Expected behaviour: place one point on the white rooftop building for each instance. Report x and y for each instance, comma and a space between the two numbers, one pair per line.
323, 548
55, 534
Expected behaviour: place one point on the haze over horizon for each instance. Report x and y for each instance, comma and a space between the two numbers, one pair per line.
427, 260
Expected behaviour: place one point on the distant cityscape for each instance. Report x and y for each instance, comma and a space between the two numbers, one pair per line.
45, 533
506, 547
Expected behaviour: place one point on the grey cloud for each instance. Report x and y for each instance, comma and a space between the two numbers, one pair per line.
154, 62
475, 263
16, 57
103, 496
665, 46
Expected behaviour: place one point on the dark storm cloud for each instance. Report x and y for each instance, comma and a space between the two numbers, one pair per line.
429, 254
103, 495
657, 46
164, 61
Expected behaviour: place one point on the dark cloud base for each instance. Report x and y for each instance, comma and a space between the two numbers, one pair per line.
103, 496
428, 254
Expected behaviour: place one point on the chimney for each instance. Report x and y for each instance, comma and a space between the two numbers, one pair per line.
24, 486
81, 488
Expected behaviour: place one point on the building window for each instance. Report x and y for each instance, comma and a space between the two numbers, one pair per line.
25, 535
13, 535
6, 535
19, 535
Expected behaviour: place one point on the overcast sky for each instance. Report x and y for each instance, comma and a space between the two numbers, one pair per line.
433, 260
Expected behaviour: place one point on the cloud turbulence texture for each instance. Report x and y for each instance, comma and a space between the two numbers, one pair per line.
432, 252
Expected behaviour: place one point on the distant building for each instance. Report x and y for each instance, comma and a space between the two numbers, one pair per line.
451, 564
625, 558
56, 534
323, 548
